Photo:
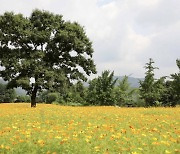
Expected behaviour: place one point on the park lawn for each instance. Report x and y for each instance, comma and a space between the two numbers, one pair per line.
85, 130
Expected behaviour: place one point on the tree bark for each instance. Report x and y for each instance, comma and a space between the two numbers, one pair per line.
33, 97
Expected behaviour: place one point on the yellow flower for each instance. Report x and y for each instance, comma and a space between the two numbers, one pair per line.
134, 152
41, 142
140, 149
97, 148
21, 141
14, 127
156, 143
89, 137
167, 151
58, 137
165, 143
7, 147
87, 140
2, 146
89, 124
101, 136
75, 135
65, 139
177, 150
154, 138
48, 152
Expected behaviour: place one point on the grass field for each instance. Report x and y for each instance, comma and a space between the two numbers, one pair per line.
85, 130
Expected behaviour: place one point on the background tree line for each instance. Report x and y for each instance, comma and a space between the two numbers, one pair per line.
108, 90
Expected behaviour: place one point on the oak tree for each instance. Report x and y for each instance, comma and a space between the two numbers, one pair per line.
43, 51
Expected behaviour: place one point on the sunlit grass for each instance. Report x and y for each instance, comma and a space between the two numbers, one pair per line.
60, 129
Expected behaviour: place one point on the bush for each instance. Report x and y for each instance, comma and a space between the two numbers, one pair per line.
23, 98
52, 97
6, 95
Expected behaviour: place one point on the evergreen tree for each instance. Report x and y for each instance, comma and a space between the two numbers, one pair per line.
148, 90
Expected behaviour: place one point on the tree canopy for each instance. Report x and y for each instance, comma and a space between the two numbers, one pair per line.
43, 51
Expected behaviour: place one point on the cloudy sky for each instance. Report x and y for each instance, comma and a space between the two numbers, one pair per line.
125, 33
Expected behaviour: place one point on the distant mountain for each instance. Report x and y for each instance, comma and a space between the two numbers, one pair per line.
134, 82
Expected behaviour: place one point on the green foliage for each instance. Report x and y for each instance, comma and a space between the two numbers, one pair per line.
123, 93
43, 48
100, 91
23, 98
160, 92
52, 97
149, 88
76, 94
171, 96
6, 95
176, 83
167, 97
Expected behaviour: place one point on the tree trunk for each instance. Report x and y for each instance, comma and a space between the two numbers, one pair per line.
33, 97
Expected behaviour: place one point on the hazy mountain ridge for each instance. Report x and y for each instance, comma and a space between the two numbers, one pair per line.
134, 82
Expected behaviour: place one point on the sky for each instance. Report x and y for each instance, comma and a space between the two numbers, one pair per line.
125, 33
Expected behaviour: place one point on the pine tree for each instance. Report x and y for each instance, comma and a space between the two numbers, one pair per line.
147, 87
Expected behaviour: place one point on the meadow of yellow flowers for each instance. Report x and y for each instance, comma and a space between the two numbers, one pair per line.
53, 129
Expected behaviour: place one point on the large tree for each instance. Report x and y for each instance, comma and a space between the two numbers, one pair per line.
43, 51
